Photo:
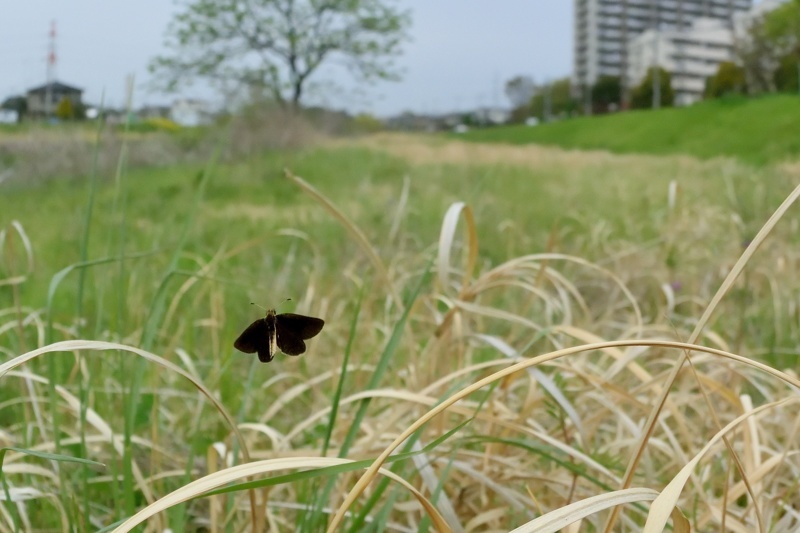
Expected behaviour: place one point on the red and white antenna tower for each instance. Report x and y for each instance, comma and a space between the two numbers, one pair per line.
51, 69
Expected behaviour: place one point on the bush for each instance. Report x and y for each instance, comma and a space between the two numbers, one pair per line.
606, 94
729, 79
153, 124
560, 98
642, 96
65, 110
787, 73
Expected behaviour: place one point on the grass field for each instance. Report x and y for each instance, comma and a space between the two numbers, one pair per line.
755, 130
505, 321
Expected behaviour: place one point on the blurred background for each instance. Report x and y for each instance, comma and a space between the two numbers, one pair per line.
455, 187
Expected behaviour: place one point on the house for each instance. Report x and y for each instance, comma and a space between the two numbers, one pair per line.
43, 100
491, 116
408, 121
190, 112
153, 111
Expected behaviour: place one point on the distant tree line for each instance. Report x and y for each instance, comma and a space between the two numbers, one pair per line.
557, 99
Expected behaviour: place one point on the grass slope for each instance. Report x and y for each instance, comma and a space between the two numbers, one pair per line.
755, 130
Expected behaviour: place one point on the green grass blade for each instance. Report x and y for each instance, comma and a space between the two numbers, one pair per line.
314, 520
345, 361
151, 328
41, 455
385, 358
49, 456
360, 518
59, 276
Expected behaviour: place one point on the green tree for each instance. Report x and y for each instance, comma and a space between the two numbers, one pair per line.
787, 74
366, 123
276, 46
756, 54
606, 94
729, 79
18, 104
781, 26
520, 90
771, 53
554, 100
642, 95
65, 110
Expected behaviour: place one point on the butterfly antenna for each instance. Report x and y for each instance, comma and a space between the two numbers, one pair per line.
283, 302
260, 307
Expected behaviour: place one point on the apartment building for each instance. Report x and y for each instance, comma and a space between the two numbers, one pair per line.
690, 55
605, 28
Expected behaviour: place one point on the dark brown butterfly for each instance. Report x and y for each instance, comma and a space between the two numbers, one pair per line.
285, 332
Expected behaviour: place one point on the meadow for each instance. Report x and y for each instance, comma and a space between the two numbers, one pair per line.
517, 338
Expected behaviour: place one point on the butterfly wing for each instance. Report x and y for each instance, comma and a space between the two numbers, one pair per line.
290, 343
263, 354
292, 329
302, 326
253, 338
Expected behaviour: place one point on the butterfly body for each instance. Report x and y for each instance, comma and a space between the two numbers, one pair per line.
285, 332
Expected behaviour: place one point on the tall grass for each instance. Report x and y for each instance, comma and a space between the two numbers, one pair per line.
514, 339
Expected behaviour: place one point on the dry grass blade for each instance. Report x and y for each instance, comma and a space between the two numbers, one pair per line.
401, 208
354, 230
26, 243
429, 478
218, 479
531, 261
543, 379
668, 499
701, 324
75, 345
563, 517
369, 475
447, 238
770, 466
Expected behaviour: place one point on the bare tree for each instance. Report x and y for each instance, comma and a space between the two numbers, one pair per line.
520, 90
756, 53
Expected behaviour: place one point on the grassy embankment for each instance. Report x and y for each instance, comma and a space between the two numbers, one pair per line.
755, 130
566, 249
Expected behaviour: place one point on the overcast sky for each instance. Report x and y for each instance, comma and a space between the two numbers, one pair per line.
461, 53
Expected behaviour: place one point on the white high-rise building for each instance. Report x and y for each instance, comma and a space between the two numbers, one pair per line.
690, 55
604, 29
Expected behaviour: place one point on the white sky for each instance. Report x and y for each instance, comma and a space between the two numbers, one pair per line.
461, 54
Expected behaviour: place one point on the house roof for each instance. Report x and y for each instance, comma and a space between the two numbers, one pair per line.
55, 86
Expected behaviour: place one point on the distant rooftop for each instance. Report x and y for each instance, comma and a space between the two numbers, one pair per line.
55, 86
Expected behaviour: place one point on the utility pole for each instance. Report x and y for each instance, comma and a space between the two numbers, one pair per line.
51, 71
656, 71
587, 99
548, 102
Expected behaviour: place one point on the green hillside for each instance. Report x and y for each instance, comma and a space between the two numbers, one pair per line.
755, 130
